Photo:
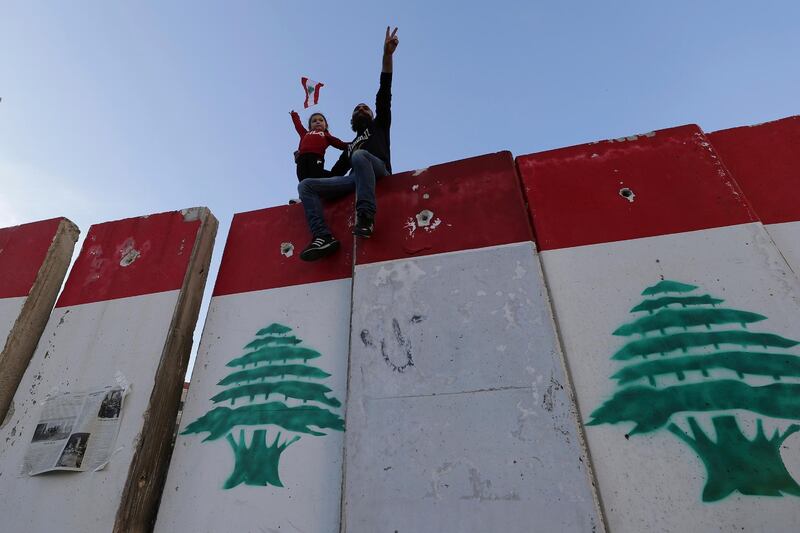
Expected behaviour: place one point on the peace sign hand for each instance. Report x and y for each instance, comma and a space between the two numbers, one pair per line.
391, 41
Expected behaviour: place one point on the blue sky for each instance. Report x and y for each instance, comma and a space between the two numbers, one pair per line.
119, 109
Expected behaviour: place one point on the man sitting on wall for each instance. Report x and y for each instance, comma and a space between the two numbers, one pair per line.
367, 157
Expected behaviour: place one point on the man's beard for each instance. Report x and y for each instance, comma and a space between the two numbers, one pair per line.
360, 122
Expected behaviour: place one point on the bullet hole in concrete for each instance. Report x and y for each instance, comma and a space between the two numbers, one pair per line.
626, 193
287, 249
129, 257
424, 217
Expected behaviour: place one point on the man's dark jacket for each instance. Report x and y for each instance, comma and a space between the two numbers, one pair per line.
375, 138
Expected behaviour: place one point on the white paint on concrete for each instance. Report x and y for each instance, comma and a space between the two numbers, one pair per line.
446, 431
433, 225
653, 481
9, 312
194, 499
83, 347
411, 225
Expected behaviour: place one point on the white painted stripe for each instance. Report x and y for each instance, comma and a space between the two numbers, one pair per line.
9, 312
194, 499
83, 347
645, 478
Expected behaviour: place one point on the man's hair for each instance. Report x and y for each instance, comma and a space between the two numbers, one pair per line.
323, 118
353, 116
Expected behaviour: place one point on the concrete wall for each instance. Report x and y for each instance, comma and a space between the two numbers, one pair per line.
33, 261
290, 309
678, 318
126, 314
670, 374
765, 161
459, 415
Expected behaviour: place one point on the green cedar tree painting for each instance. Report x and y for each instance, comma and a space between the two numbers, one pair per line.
272, 357
712, 356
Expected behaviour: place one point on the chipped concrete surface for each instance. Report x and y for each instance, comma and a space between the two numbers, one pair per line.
287, 249
129, 255
444, 415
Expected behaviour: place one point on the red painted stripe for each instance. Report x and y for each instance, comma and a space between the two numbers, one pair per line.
678, 181
22, 252
164, 243
765, 161
475, 203
253, 260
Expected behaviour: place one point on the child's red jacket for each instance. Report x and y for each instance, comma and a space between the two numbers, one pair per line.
315, 142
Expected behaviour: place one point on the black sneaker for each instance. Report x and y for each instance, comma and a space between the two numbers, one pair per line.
319, 248
365, 224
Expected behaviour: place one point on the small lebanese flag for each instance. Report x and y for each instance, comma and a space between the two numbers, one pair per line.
312, 91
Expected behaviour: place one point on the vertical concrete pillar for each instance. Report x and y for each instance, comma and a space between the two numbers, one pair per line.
459, 415
678, 319
260, 439
765, 161
126, 315
33, 261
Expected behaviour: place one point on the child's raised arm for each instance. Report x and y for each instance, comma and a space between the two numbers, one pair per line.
297, 124
335, 141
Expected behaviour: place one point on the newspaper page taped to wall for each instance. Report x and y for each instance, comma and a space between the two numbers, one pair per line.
76, 431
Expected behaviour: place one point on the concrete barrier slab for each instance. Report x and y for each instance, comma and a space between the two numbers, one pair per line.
126, 316
286, 475
671, 301
459, 416
33, 261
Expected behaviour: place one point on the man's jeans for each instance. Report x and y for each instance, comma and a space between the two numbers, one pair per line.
366, 168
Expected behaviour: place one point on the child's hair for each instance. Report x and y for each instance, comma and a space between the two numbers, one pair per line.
323, 118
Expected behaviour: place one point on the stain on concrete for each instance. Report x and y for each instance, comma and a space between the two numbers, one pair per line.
482, 489
366, 338
404, 346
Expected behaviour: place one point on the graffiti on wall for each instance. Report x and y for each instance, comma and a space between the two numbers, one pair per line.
273, 367
690, 355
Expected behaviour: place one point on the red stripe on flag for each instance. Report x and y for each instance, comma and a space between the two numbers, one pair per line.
304, 83
317, 87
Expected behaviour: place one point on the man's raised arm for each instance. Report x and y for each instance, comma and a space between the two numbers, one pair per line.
389, 46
